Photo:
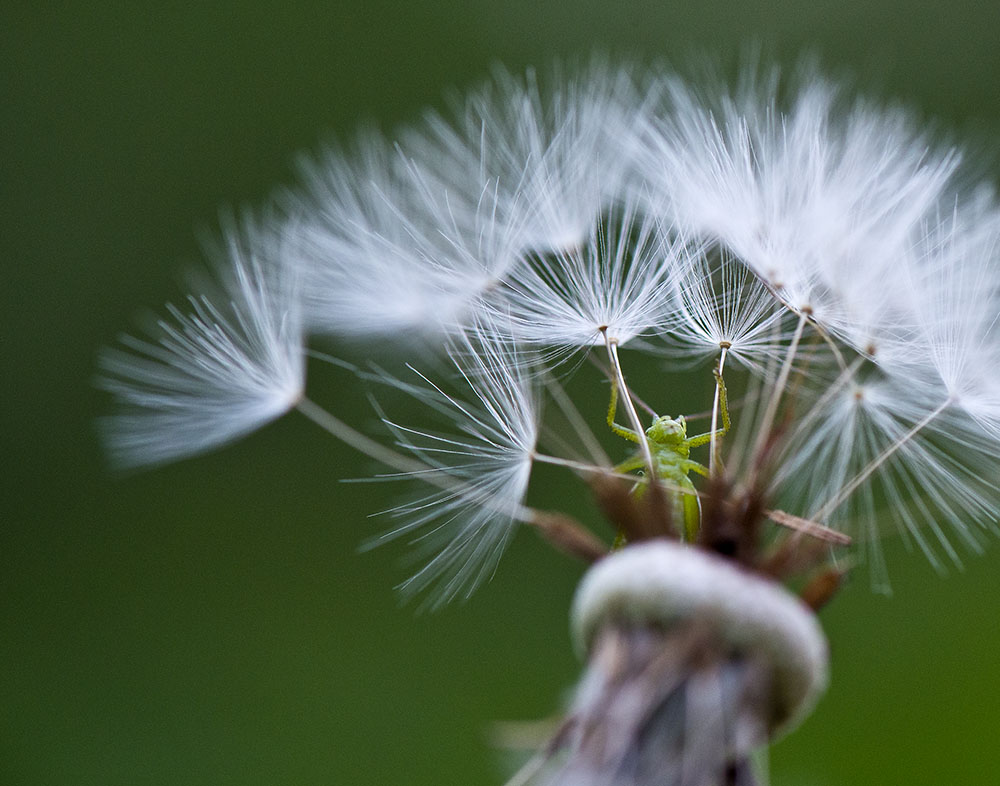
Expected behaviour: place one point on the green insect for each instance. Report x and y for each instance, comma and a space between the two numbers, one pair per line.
670, 447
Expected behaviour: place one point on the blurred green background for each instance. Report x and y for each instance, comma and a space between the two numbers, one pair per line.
211, 622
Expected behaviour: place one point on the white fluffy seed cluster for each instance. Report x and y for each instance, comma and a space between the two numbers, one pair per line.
537, 218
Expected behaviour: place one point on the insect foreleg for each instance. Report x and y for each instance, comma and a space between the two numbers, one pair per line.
621, 431
701, 439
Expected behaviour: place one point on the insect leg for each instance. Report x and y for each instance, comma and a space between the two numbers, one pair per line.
694, 466
691, 507
621, 431
701, 439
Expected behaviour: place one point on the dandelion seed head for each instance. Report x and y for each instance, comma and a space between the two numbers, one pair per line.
827, 245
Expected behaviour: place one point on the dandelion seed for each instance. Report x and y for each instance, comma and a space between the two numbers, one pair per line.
615, 285
481, 464
555, 155
955, 302
720, 305
384, 252
231, 364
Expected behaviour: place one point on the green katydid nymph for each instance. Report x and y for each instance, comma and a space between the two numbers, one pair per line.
670, 448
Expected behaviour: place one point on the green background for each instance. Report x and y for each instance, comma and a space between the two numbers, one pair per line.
211, 622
